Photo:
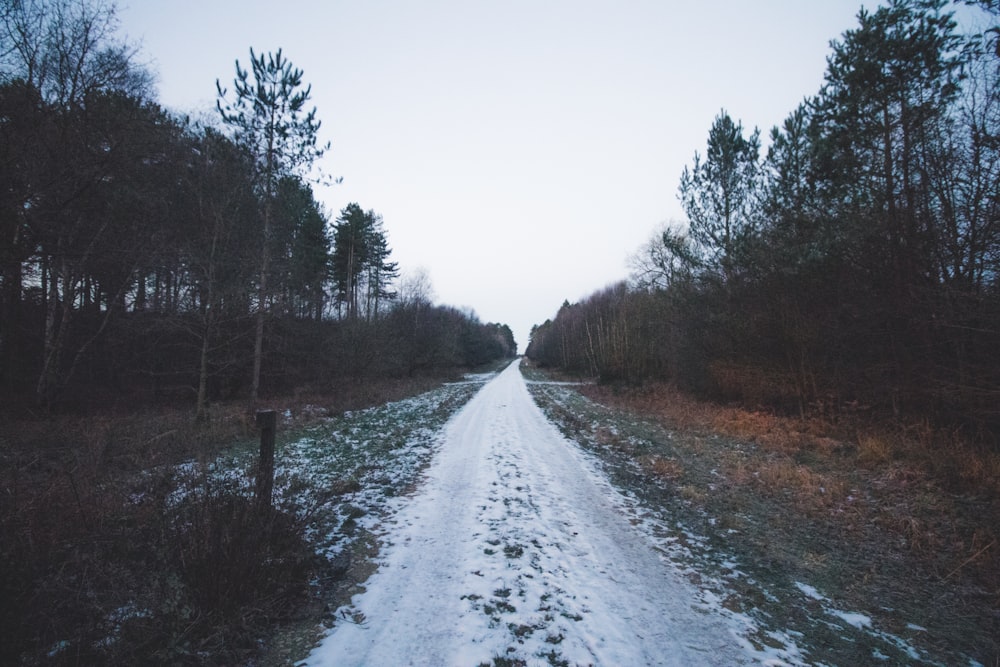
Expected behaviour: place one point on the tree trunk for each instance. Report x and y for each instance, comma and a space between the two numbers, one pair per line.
56, 329
201, 411
258, 343
11, 316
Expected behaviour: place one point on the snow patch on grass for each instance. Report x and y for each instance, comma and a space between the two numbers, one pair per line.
809, 591
618, 444
855, 619
372, 458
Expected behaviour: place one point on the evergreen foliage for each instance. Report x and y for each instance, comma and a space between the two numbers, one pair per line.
856, 265
362, 272
270, 122
142, 255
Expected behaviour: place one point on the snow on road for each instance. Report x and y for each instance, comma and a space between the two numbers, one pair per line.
516, 548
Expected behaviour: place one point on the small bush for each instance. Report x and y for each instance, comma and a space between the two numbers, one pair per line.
171, 571
229, 570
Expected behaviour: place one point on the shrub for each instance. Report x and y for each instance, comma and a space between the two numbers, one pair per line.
174, 570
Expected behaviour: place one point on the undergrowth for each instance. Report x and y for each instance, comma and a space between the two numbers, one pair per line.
122, 541
164, 570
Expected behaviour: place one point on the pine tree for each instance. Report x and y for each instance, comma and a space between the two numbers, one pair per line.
269, 118
720, 194
362, 272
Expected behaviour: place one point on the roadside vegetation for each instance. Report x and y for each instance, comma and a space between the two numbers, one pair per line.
147, 259
160, 280
808, 526
810, 355
853, 266
137, 539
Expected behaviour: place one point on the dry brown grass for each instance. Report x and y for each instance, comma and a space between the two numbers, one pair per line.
757, 385
811, 491
945, 456
874, 450
662, 467
889, 515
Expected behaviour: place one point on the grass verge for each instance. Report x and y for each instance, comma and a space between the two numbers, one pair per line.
857, 545
135, 538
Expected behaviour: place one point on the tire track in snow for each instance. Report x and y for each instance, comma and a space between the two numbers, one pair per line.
515, 547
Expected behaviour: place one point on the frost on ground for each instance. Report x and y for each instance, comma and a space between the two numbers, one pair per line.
369, 459
516, 550
504, 543
779, 621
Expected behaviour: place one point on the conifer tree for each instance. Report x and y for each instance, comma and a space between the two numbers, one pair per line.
269, 117
719, 194
361, 266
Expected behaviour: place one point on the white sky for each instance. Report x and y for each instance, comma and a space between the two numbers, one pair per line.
518, 150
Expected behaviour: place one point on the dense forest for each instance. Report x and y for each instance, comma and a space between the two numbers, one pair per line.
148, 257
853, 266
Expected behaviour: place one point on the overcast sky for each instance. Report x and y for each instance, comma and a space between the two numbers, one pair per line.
518, 150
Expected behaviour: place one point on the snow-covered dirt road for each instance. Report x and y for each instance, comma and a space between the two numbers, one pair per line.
516, 550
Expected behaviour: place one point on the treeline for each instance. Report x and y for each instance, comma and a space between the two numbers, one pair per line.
146, 256
853, 265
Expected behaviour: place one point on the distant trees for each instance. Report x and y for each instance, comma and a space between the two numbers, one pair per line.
301, 247
856, 262
362, 272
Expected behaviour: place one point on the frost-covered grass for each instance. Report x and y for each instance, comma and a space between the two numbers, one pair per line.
516, 550
137, 539
344, 475
367, 459
777, 538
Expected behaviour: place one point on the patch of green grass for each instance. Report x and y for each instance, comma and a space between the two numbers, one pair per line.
503, 661
555, 659
513, 550
520, 630
505, 607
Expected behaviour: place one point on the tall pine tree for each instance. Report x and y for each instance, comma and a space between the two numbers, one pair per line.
269, 117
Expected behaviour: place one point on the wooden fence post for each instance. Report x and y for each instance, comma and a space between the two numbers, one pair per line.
267, 420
